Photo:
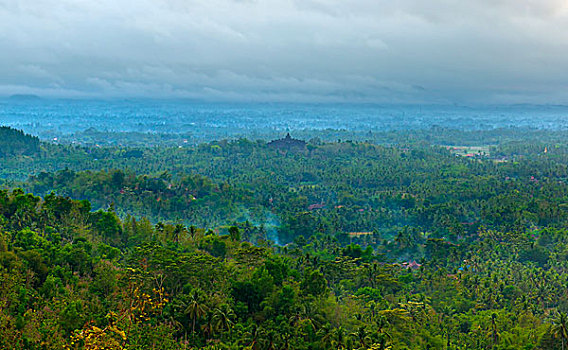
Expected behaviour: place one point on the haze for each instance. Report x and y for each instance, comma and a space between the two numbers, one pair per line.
409, 51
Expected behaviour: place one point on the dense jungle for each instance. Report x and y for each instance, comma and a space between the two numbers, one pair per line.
435, 239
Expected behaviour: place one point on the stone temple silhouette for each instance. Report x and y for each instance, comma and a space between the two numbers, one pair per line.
287, 143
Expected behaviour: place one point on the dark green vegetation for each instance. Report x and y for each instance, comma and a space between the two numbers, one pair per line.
233, 244
15, 143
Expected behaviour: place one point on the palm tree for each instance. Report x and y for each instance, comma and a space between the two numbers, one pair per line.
253, 336
208, 328
560, 328
195, 308
303, 317
372, 273
326, 335
178, 230
372, 307
494, 332
223, 317
192, 231
362, 337
285, 337
269, 340
339, 338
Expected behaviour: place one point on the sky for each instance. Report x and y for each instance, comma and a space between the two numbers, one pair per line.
383, 51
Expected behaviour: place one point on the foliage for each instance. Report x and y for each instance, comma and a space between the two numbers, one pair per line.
342, 246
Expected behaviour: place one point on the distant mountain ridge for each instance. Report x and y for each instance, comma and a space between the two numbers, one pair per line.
24, 97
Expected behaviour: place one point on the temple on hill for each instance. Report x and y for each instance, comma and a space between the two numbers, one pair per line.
288, 143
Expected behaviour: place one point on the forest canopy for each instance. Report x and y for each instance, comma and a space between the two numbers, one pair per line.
233, 244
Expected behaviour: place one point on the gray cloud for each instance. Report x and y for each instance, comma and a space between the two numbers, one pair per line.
310, 50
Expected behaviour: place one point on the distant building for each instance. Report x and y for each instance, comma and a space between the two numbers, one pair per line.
316, 206
411, 265
288, 143
359, 234
414, 265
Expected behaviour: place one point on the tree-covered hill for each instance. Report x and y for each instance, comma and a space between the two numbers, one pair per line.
16, 143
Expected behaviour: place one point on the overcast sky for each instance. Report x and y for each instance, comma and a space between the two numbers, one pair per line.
454, 51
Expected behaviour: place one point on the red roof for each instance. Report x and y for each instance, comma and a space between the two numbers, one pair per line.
414, 265
316, 206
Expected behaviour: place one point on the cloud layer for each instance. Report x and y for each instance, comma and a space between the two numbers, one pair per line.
468, 51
